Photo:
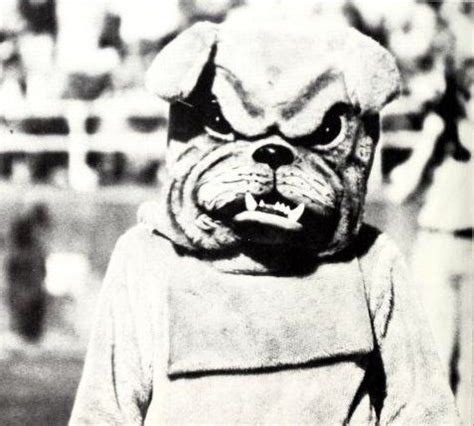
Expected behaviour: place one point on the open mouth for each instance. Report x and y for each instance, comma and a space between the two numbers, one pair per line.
273, 218
271, 211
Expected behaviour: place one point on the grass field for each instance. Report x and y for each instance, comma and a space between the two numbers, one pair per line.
38, 390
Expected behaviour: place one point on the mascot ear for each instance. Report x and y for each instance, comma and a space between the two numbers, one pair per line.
370, 72
176, 69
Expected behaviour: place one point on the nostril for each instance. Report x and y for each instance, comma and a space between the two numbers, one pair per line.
274, 155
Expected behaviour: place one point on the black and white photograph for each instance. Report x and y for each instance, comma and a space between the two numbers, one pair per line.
236, 212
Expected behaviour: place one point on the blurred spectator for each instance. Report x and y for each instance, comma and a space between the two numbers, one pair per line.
25, 271
84, 64
36, 44
40, 16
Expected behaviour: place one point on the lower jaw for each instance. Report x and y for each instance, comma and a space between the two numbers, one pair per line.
311, 231
260, 234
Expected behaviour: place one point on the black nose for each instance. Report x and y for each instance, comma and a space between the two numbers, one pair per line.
273, 155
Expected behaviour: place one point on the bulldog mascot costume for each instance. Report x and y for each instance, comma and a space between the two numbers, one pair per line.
252, 293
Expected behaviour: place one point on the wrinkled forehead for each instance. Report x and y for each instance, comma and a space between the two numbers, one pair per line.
265, 56
288, 78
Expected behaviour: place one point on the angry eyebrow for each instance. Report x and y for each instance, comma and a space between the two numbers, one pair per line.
308, 93
244, 96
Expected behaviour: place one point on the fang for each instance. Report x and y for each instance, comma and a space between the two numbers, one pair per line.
296, 213
250, 202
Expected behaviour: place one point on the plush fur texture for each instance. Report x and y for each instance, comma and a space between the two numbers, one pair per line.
268, 86
274, 320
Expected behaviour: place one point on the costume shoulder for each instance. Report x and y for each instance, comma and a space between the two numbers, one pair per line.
139, 263
382, 266
371, 239
117, 378
141, 242
416, 391
376, 251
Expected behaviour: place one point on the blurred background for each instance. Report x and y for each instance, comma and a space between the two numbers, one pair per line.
82, 145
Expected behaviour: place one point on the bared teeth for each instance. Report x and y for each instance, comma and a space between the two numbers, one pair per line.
296, 213
293, 215
250, 202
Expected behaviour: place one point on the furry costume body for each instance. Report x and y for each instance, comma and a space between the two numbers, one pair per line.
162, 347
252, 294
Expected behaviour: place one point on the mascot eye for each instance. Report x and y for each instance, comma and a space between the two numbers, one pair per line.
215, 123
330, 129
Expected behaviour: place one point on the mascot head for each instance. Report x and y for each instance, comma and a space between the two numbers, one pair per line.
273, 127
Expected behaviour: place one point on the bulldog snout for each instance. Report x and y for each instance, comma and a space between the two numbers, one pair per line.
274, 155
